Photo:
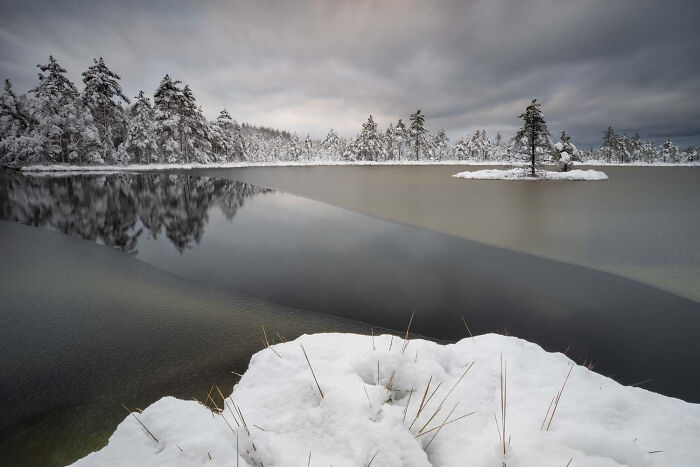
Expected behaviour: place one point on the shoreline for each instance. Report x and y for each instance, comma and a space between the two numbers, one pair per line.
318, 163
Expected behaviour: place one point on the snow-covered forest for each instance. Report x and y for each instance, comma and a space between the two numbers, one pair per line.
55, 122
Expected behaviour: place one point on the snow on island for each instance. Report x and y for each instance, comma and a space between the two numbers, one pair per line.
524, 174
361, 400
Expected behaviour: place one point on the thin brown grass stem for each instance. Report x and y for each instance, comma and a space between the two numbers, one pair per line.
141, 423
498, 427
642, 382
420, 407
468, 330
372, 459
391, 380
556, 402
370, 402
405, 339
443, 424
405, 410
438, 427
227, 406
544, 420
267, 342
458, 381
431, 395
312, 371
430, 419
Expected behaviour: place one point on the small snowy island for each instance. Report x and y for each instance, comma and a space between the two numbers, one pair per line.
353, 400
534, 137
523, 174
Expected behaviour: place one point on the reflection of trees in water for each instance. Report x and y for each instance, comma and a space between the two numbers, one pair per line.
117, 209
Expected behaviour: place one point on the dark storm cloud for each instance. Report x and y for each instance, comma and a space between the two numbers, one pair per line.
307, 66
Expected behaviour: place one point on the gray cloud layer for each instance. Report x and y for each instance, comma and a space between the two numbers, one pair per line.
308, 66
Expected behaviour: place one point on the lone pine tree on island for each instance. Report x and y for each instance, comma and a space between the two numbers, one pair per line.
533, 134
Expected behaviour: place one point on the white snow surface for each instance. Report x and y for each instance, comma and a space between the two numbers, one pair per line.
598, 422
523, 174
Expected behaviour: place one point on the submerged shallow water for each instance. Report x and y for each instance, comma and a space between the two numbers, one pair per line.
77, 312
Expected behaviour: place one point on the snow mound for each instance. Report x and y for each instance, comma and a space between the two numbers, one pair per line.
522, 174
368, 414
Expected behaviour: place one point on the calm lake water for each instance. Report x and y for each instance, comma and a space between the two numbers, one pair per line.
86, 326
642, 224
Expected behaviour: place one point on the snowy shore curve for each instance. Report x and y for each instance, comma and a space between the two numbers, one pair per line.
362, 404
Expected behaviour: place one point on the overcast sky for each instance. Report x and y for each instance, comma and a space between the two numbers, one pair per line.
309, 66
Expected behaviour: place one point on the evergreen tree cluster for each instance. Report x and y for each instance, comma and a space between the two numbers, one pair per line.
57, 123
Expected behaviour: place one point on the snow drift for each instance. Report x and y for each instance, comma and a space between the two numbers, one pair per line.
523, 174
370, 411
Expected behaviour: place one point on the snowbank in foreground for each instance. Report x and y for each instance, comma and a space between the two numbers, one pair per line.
597, 422
522, 174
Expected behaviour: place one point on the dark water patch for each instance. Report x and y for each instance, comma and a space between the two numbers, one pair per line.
84, 328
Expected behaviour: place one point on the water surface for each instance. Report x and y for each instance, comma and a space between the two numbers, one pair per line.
642, 223
84, 328
306, 254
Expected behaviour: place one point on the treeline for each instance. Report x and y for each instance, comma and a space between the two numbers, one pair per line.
57, 123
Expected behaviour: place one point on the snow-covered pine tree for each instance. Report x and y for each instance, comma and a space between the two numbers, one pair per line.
635, 148
194, 129
533, 135
389, 142
332, 145
369, 142
101, 95
417, 133
648, 151
352, 150
141, 134
400, 135
462, 149
295, 148
308, 146
226, 138
669, 152
166, 102
623, 148
565, 152
609, 144
440, 144
16, 143
63, 123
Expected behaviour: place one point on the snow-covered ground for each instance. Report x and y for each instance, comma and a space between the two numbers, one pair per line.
523, 174
312, 163
388, 402
224, 165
